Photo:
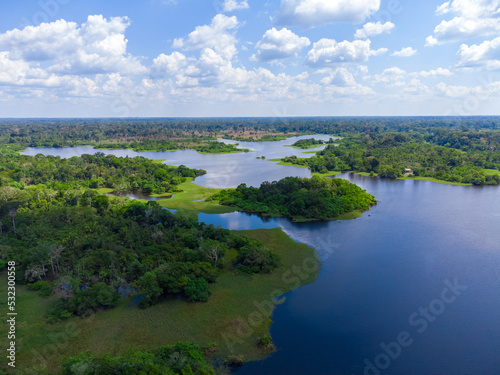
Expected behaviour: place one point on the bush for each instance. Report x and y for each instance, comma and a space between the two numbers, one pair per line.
84, 302
183, 358
255, 258
265, 343
44, 287
197, 290
148, 289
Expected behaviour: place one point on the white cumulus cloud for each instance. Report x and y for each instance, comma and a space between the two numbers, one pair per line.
439, 72
472, 18
485, 55
219, 35
313, 13
391, 76
328, 51
279, 44
168, 64
371, 28
232, 5
97, 46
405, 52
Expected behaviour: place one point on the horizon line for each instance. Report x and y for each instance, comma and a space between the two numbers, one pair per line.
245, 117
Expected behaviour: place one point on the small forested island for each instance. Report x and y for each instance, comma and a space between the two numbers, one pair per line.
219, 148
300, 199
309, 143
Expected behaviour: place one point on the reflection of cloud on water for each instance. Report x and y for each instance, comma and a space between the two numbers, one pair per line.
239, 221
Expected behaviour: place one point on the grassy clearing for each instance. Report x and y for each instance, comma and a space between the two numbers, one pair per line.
432, 179
328, 174
239, 304
192, 199
103, 190
347, 216
287, 164
491, 172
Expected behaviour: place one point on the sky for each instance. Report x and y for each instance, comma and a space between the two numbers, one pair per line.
249, 58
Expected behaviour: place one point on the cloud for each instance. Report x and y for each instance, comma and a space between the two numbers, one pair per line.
19, 73
439, 72
165, 65
339, 77
443, 9
279, 44
313, 13
232, 5
485, 55
328, 51
403, 84
405, 52
455, 91
217, 35
98, 46
392, 76
35, 81
341, 82
473, 18
371, 28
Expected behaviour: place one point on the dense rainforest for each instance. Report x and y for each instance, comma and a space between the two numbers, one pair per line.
446, 148
70, 240
299, 198
88, 251
462, 157
166, 132
90, 171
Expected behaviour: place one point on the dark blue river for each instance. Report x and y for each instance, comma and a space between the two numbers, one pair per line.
412, 287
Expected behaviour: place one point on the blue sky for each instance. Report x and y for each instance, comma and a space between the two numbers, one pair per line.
169, 58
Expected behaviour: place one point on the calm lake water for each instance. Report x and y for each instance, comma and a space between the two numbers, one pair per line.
422, 266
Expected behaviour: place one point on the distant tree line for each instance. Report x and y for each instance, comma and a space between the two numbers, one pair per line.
448, 156
145, 132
